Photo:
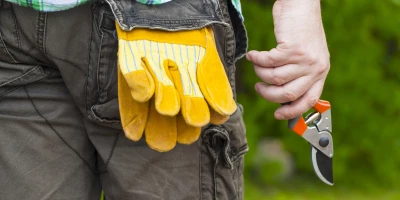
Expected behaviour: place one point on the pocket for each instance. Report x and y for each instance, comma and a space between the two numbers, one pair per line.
223, 150
174, 15
13, 76
102, 90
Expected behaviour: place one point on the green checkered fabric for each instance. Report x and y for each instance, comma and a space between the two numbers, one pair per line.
49, 5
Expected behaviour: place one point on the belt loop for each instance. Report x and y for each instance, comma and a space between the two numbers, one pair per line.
41, 31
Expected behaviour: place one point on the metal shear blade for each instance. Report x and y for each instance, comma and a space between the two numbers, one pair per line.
322, 166
316, 129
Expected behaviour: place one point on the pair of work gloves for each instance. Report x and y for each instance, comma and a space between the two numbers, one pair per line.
170, 85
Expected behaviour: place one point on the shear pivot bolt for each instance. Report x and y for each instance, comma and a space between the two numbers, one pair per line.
323, 141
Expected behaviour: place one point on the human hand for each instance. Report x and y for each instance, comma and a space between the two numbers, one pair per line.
294, 71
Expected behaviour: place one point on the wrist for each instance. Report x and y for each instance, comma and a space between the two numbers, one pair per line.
302, 2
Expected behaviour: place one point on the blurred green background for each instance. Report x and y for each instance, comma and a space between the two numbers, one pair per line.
363, 88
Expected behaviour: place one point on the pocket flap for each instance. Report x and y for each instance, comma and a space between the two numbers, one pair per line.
228, 140
19, 74
173, 15
107, 114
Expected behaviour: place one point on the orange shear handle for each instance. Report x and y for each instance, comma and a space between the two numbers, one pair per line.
298, 124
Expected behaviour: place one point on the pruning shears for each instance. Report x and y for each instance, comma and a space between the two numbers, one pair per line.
316, 128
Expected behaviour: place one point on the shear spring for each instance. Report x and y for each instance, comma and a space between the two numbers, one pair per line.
312, 118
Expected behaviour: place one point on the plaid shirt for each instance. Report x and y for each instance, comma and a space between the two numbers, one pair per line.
58, 5
49, 5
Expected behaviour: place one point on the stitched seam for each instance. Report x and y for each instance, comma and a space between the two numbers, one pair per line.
6, 50
8, 91
102, 93
180, 28
103, 120
100, 58
194, 19
17, 33
56, 132
19, 77
16, 87
239, 152
117, 13
87, 86
215, 174
44, 34
16, 28
40, 32
38, 28
230, 43
219, 13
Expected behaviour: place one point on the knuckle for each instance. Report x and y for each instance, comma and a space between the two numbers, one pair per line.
295, 49
311, 58
290, 115
264, 59
299, 51
306, 55
270, 61
288, 45
277, 80
290, 95
323, 67
265, 75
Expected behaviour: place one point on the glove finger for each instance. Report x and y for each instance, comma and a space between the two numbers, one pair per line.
194, 108
161, 130
216, 118
133, 114
213, 81
187, 134
138, 78
166, 97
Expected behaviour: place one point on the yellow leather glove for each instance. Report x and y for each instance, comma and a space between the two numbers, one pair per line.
187, 75
162, 132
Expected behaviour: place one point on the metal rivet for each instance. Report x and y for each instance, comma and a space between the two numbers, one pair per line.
323, 141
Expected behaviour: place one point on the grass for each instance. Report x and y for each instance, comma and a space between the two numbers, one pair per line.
301, 190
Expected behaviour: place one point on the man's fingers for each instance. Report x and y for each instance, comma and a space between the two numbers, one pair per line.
286, 93
281, 55
301, 105
280, 75
271, 58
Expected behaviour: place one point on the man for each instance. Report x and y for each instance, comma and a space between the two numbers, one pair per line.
61, 135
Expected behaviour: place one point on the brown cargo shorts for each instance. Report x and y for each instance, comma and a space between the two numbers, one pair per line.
60, 131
